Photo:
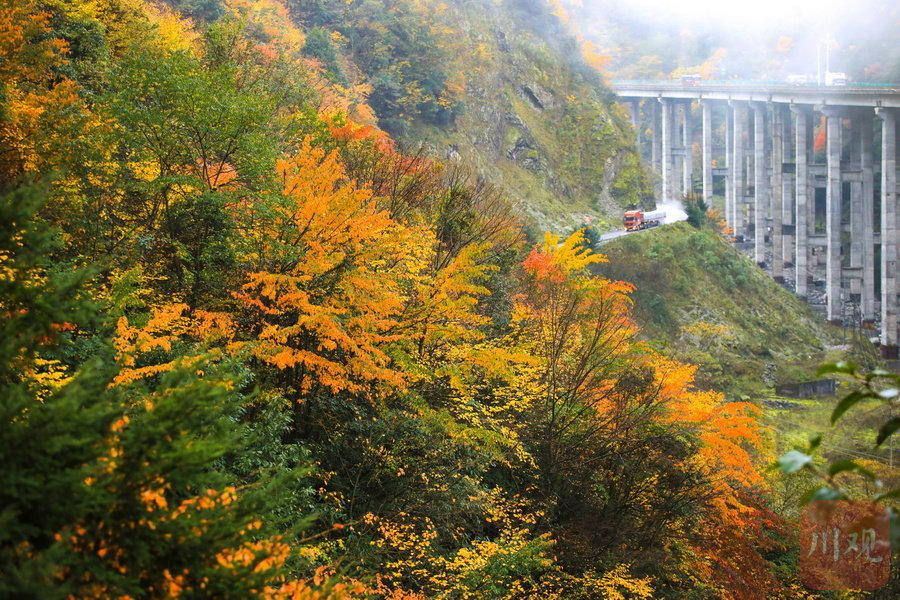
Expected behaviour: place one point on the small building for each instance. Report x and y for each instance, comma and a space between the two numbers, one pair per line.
820, 387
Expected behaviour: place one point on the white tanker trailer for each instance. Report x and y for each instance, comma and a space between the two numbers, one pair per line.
638, 219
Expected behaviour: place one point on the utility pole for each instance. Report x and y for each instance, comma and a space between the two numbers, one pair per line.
827, 41
818, 64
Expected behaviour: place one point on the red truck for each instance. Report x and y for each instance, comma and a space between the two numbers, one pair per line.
638, 219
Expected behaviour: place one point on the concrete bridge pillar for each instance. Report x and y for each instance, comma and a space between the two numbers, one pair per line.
787, 170
833, 213
729, 168
636, 117
888, 232
777, 192
739, 110
803, 199
854, 276
667, 162
760, 183
656, 142
687, 163
867, 168
862, 252
706, 107
677, 149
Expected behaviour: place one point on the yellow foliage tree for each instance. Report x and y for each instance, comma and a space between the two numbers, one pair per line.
593, 57
40, 110
324, 276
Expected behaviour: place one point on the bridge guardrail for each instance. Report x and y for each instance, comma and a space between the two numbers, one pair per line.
745, 82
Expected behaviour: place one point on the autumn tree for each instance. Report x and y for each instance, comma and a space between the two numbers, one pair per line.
114, 491
469, 213
628, 453
323, 269
403, 183
734, 536
40, 109
578, 326
596, 429
186, 123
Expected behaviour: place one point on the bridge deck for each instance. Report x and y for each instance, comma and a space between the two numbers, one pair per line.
887, 96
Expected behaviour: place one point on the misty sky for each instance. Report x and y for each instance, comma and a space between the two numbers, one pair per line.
741, 13
763, 38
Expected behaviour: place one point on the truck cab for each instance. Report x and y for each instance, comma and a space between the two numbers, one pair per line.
633, 220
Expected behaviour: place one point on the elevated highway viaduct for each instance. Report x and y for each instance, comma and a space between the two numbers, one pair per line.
831, 205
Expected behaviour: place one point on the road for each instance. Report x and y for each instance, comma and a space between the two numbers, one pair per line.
612, 235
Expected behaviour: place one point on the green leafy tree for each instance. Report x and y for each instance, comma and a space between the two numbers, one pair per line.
202, 10
695, 207
589, 237
319, 46
113, 490
45, 445
190, 143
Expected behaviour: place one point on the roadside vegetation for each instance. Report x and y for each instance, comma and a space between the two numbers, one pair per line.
706, 303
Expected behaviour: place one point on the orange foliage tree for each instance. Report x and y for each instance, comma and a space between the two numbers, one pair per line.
628, 451
579, 329
40, 110
324, 277
735, 530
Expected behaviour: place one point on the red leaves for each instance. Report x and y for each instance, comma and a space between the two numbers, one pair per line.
541, 265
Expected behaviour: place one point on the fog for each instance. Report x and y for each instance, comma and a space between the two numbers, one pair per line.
764, 39
759, 14
674, 211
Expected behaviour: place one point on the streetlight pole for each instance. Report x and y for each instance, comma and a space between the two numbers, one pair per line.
827, 41
819, 64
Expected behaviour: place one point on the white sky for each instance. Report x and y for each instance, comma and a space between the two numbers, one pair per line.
742, 12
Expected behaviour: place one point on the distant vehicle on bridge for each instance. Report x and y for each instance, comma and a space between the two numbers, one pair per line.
832, 78
691, 79
800, 80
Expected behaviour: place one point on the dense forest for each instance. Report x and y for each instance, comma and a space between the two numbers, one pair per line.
252, 347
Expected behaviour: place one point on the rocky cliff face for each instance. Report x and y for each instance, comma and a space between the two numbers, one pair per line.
538, 121
525, 112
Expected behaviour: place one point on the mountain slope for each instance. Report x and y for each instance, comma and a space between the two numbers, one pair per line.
712, 306
502, 87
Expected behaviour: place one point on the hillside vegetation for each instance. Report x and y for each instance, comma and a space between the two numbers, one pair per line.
710, 305
252, 348
500, 86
